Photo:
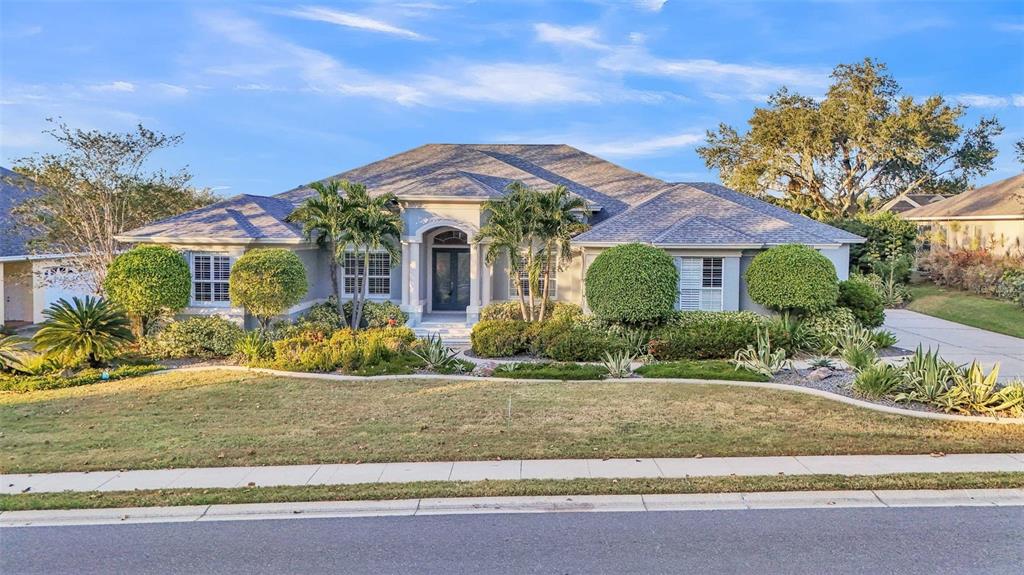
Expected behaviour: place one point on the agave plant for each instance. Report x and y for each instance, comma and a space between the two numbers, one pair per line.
637, 342
800, 335
88, 327
436, 355
254, 347
926, 376
618, 364
762, 358
856, 346
976, 392
882, 339
877, 380
10, 352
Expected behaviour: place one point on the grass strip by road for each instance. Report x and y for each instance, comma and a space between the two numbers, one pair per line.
216, 418
390, 491
968, 308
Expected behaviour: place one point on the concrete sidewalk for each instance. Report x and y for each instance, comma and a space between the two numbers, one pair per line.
347, 474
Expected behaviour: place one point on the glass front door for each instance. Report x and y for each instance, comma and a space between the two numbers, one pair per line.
451, 279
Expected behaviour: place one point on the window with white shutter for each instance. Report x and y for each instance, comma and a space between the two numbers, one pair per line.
700, 283
524, 280
379, 276
211, 275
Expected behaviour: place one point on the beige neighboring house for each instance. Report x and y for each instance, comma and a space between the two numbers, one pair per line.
443, 279
990, 217
30, 282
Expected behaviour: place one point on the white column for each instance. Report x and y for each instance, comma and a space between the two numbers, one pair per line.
412, 287
473, 310
3, 295
487, 279
405, 274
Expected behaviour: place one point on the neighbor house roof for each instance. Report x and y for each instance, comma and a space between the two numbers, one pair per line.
239, 219
905, 202
1002, 199
14, 189
709, 214
627, 204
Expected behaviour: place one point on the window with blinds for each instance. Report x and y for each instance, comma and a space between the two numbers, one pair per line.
700, 283
379, 276
524, 280
211, 275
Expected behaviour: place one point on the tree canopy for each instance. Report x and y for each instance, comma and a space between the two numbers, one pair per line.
148, 281
99, 186
865, 141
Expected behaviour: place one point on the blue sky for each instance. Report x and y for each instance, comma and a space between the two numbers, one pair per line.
273, 95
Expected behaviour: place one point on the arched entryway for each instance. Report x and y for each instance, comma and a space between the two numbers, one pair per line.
450, 275
443, 274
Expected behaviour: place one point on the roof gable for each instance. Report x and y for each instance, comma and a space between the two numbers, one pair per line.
1002, 198
242, 218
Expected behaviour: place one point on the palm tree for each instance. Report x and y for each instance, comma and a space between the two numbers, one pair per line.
325, 217
88, 327
10, 352
510, 231
557, 222
374, 224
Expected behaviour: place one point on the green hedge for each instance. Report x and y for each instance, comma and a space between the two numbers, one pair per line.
793, 278
710, 335
26, 383
633, 284
860, 297
500, 338
200, 336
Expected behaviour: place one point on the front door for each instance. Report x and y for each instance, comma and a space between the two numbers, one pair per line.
451, 279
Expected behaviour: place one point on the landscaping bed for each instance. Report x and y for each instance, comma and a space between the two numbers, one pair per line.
215, 418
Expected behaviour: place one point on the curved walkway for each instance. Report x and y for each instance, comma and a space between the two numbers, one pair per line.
350, 473
957, 342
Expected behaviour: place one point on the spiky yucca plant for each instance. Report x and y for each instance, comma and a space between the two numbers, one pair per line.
88, 327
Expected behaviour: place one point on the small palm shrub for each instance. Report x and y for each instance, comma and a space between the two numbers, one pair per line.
89, 327
11, 350
201, 336
254, 347
877, 380
436, 355
618, 364
976, 392
883, 338
761, 358
799, 334
856, 346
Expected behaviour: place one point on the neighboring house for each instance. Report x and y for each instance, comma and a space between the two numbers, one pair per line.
29, 282
990, 217
713, 232
905, 202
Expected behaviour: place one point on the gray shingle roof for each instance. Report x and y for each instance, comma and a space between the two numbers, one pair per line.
240, 218
631, 206
1002, 198
14, 189
709, 214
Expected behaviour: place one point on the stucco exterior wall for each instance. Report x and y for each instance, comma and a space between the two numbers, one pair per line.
999, 236
840, 258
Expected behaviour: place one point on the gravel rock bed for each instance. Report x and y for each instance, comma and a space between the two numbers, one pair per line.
841, 383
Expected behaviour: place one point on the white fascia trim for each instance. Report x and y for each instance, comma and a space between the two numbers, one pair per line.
38, 257
963, 218
443, 199
208, 240
704, 246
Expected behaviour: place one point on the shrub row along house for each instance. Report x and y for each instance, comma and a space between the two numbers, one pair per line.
711, 232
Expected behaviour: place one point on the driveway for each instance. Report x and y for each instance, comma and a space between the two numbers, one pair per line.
957, 342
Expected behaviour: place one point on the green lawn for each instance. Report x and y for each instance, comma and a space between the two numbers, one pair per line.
706, 369
390, 491
968, 309
219, 418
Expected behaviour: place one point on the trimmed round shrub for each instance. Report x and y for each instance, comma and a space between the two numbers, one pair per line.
147, 282
267, 282
500, 338
859, 296
793, 278
633, 284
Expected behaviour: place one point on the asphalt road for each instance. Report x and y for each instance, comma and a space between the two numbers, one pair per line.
870, 541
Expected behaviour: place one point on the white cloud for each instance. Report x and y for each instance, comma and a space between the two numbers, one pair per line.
171, 89
981, 100
651, 5
585, 36
633, 146
351, 20
1010, 26
1018, 100
507, 83
117, 86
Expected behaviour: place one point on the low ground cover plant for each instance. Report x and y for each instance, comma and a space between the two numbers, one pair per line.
551, 370
702, 369
26, 383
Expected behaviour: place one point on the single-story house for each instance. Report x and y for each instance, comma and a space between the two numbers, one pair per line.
713, 232
29, 282
990, 217
905, 202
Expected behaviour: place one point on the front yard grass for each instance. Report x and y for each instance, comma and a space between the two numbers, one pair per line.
707, 369
390, 491
968, 308
219, 418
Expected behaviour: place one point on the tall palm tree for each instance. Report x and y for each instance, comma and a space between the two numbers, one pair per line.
559, 219
374, 224
325, 218
88, 327
511, 231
